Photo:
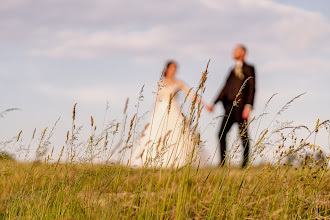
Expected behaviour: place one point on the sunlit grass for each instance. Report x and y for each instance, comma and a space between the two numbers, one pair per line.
41, 191
85, 182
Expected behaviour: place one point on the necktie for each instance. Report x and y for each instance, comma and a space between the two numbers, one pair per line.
239, 71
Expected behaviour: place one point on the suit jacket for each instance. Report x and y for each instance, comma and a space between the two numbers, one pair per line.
231, 89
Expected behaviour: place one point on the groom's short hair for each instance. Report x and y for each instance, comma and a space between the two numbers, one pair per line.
243, 47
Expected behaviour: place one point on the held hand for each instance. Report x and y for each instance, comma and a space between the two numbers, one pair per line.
246, 112
210, 107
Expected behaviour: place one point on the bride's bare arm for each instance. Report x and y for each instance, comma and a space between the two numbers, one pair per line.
190, 93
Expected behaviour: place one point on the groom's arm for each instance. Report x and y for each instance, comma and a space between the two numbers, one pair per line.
250, 95
220, 96
218, 99
251, 87
222, 92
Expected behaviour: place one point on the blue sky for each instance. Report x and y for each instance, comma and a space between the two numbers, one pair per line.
56, 53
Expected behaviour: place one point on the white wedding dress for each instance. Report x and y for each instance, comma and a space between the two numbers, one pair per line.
167, 140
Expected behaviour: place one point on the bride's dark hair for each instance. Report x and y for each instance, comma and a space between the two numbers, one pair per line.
167, 66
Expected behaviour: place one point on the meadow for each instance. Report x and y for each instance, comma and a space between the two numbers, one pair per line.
72, 191
82, 182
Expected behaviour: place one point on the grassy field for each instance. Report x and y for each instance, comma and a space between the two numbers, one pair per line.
73, 186
73, 191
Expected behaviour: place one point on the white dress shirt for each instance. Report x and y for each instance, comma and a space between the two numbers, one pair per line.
238, 70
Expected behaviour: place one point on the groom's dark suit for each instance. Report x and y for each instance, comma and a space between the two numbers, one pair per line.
227, 96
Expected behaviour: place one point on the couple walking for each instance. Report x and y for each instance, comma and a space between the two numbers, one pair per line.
170, 140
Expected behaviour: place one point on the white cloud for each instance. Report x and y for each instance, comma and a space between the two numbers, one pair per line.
82, 44
11, 4
89, 94
303, 32
317, 66
190, 30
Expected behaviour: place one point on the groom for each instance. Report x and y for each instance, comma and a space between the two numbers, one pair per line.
240, 112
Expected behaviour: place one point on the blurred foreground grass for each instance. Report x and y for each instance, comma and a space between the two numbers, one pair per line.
86, 191
82, 189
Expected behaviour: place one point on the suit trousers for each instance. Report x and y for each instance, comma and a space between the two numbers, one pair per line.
225, 127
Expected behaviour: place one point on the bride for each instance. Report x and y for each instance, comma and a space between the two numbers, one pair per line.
168, 139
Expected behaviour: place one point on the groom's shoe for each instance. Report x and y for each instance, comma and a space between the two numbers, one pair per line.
244, 164
222, 164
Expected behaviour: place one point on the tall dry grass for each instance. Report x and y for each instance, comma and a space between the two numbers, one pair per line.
89, 179
53, 191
